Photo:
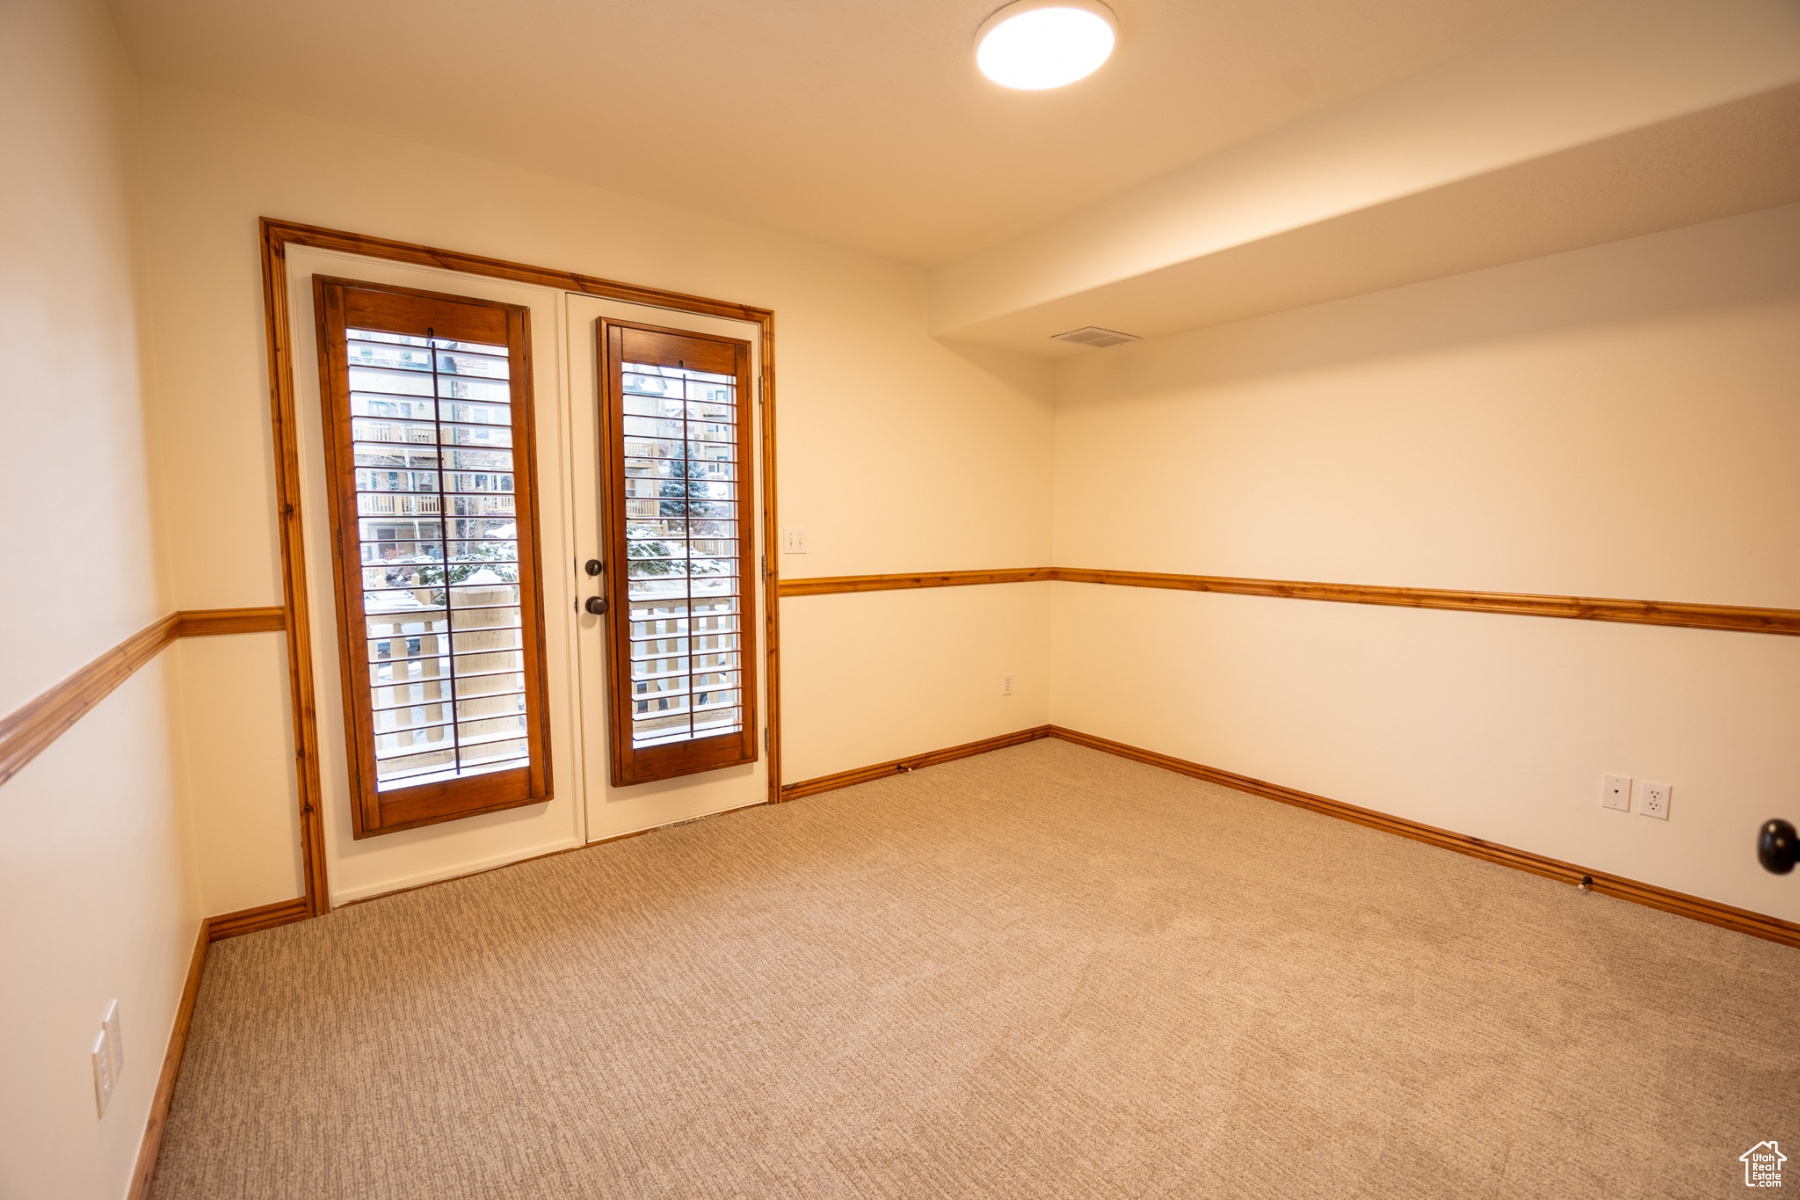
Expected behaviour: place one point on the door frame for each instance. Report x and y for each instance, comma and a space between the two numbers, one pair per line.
276, 236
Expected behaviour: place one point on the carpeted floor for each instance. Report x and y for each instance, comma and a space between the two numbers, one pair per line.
1043, 972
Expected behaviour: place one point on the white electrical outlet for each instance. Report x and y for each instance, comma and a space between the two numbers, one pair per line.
1006, 685
1653, 799
103, 1079
1615, 792
793, 539
109, 1058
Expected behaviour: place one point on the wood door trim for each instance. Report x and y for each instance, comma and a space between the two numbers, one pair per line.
1730, 617
29, 731
275, 237
303, 703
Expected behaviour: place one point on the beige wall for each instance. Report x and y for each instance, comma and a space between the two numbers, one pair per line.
940, 658
95, 901
897, 452
1616, 421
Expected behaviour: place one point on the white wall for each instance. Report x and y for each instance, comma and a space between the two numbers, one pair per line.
95, 901
1616, 421
896, 452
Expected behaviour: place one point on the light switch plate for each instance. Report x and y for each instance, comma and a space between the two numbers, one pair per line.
115, 1044
1615, 792
1653, 799
793, 539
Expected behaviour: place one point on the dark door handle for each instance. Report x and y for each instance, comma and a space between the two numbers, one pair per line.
1776, 848
595, 605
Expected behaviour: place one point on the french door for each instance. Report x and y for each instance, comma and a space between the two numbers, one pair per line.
666, 481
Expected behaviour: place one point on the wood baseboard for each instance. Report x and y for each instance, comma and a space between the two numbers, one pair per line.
144, 1174
250, 920
844, 779
212, 929
1726, 916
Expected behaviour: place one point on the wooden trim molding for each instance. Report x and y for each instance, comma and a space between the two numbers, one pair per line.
254, 920
211, 622
1736, 618
303, 706
900, 766
1578, 608
212, 929
28, 732
838, 584
1742, 920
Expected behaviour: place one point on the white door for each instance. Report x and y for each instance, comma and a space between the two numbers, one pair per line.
613, 811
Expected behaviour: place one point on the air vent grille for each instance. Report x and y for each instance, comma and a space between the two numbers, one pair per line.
1093, 335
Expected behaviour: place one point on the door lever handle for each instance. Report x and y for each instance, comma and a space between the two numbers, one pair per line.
595, 605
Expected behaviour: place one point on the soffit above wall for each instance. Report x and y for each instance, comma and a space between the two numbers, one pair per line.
1623, 120
858, 124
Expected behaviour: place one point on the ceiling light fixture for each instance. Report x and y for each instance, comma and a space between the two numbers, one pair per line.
1038, 44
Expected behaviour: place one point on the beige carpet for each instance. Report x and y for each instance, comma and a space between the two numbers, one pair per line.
1044, 972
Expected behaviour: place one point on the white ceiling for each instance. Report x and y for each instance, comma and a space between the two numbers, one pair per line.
859, 123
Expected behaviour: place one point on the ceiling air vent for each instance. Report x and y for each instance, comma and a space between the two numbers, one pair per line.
1093, 335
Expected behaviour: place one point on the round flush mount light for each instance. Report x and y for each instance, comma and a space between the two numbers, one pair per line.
1038, 44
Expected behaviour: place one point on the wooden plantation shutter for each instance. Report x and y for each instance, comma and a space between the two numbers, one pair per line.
430, 467
678, 514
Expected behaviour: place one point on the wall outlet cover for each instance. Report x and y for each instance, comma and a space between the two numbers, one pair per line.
103, 1081
1615, 792
1006, 685
1653, 799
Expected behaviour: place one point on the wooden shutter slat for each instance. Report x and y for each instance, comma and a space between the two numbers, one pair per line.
680, 396
452, 718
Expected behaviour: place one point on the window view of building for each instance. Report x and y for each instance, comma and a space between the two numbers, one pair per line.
432, 432
681, 537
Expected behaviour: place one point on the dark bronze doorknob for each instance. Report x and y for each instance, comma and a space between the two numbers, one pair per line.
596, 605
1776, 847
